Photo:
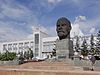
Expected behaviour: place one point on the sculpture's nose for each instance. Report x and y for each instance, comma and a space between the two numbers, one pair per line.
60, 27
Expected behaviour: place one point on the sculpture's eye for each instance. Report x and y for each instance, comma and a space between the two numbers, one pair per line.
63, 24
58, 25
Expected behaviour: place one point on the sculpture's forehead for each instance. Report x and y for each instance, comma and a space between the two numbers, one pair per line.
62, 21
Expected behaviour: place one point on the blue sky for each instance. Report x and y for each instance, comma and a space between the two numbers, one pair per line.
18, 17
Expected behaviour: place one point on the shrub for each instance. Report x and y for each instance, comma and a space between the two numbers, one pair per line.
84, 52
7, 56
28, 54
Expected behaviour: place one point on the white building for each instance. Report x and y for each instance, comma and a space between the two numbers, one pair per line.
16, 46
41, 44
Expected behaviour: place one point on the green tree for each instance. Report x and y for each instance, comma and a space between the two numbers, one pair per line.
7, 56
77, 43
84, 50
98, 44
54, 52
92, 44
21, 57
91, 41
25, 55
30, 53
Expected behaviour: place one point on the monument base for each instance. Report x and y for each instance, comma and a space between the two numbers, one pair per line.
64, 49
62, 55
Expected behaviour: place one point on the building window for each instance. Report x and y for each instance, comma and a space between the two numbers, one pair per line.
36, 49
36, 38
20, 45
5, 47
15, 46
31, 44
36, 44
26, 45
9, 46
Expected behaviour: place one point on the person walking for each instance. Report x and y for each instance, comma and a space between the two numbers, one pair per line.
92, 59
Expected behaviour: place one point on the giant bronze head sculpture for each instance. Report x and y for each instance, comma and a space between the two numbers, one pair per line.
63, 27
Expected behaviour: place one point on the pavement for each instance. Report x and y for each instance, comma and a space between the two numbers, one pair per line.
49, 66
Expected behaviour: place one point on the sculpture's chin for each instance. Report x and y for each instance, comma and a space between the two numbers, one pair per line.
61, 34
62, 37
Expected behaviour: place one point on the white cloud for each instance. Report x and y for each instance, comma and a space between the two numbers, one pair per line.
92, 30
30, 36
87, 26
17, 12
1, 16
76, 1
48, 5
10, 29
76, 31
84, 24
52, 31
95, 21
54, 1
7, 32
80, 19
12, 12
4, 28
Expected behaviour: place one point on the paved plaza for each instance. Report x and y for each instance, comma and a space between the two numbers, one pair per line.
47, 68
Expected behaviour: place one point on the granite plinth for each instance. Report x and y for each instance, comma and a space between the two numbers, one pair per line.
64, 49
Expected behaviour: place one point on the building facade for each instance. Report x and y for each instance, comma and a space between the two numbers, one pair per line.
41, 45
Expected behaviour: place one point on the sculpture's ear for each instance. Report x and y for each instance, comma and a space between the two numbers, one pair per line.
70, 27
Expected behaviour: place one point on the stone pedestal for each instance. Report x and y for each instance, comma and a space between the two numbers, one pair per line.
64, 49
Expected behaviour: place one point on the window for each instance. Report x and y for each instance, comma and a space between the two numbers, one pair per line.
36, 38
26, 45
20, 45
15, 46
5, 47
31, 44
9, 46
36, 44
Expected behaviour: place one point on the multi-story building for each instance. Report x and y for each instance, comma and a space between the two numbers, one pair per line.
16, 46
41, 44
